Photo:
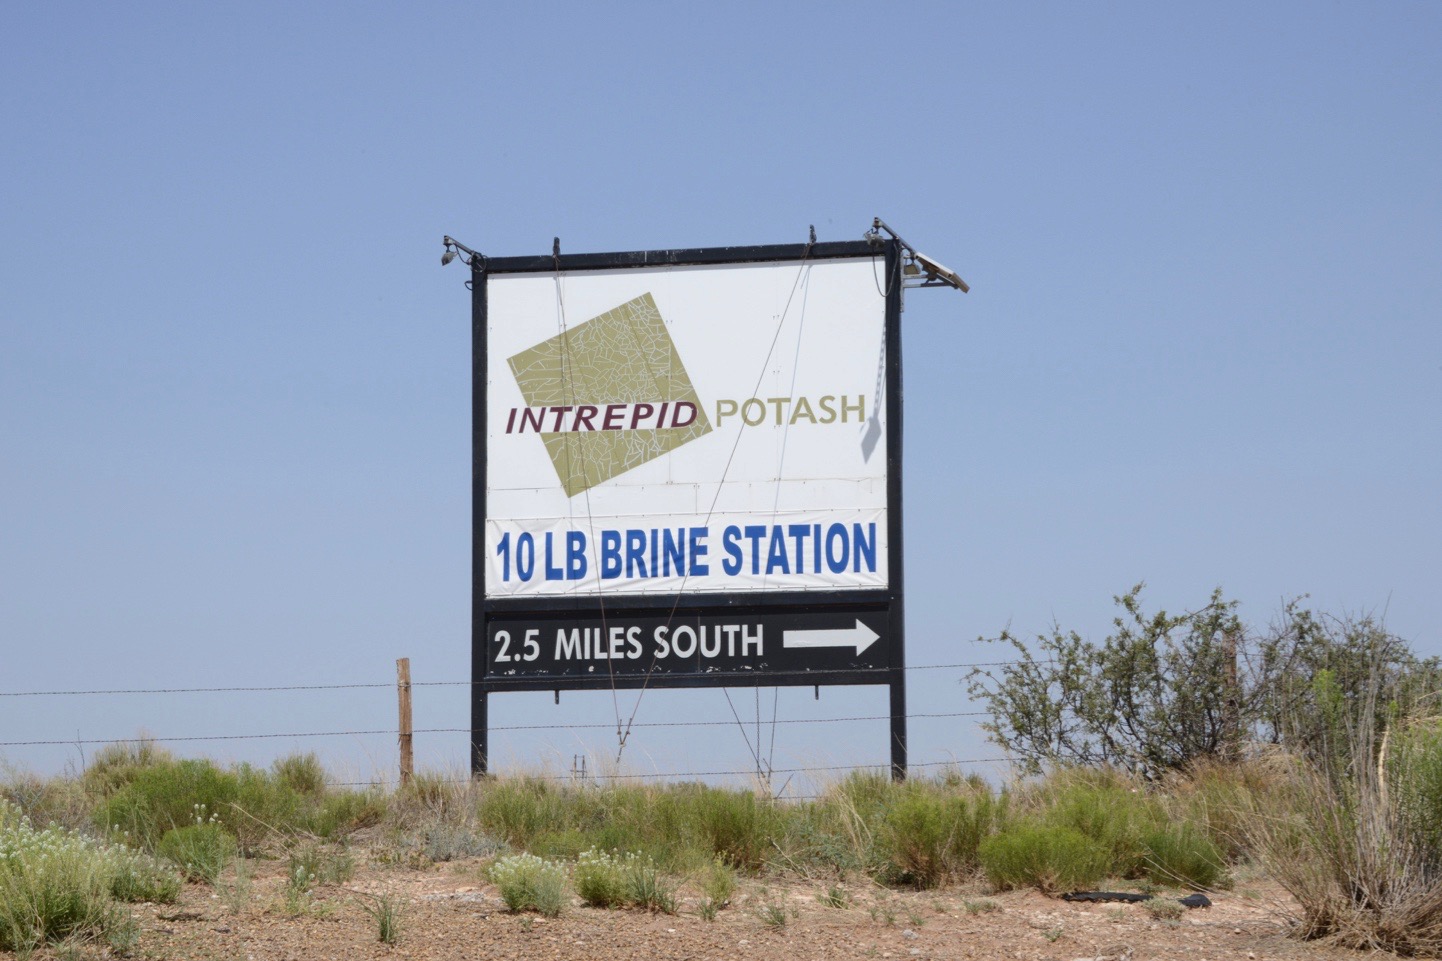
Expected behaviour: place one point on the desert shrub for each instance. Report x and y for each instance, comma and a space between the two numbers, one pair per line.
1163, 691
248, 803
321, 865
518, 810
842, 829
1104, 805
931, 833
1047, 858
139, 877
301, 773
718, 883
57, 884
1152, 696
1163, 909
609, 880
1415, 773
529, 883
1348, 835
1216, 797
55, 800
116, 765
338, 814
600, 879
737, 826
201, 851
387, 913
446, 842
434, 791
1183, 855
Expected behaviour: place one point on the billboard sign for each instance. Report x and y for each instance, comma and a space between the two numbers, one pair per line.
706, 430
687, 470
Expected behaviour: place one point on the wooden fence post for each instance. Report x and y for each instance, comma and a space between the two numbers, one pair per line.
403, 693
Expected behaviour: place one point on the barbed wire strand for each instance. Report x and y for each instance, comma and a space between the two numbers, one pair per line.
391, 684
657, 775
451, 730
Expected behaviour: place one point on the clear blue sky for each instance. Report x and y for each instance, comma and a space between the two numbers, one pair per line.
1203, 345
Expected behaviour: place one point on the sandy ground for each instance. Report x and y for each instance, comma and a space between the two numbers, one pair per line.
448, 911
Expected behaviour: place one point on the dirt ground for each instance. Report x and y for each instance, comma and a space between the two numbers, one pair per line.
448, 911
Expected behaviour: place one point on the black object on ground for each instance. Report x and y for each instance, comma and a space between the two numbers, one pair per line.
1197, 900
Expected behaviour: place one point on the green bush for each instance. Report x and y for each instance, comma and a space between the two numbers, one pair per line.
1216, 797
1106, 806
718, 883
57, 884
931, 833
201, 851
737, 826
116, 765
519, 810
301, 773
1182, 855
1415, 776
1047, 858
321, 865
1163, 909
529, 883
140, 877
164, 796
600, 879
339, 814
627, 880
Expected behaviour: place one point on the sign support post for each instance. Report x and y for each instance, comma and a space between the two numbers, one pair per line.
897, 684
480, 719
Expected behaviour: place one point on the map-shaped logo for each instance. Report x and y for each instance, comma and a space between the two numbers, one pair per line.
607, 395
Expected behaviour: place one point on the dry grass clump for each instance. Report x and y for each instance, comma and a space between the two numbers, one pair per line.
1351, 835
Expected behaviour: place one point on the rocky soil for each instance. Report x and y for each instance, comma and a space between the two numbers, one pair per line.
448, 911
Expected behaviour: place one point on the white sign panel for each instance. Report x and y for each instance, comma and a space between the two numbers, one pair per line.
686, 429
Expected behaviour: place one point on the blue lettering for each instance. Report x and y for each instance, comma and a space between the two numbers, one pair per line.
776, 553
635, 553
799, 533
696, 541
755, 532
729, 537
610, 554
673, 549
553, 571
575, 555
835, 533
864, 546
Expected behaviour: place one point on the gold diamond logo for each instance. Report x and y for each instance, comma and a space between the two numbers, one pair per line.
613, 390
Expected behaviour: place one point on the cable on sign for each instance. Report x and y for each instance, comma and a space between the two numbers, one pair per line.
721, 483
574, 440
776, 504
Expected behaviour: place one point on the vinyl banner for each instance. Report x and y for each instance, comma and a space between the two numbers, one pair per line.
694, 429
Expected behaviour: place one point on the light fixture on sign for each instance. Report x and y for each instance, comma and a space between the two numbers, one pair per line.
455, 249
916, 263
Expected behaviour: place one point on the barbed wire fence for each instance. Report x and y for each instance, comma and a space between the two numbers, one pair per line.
657, 776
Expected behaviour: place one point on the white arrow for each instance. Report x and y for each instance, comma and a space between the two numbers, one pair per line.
861, 637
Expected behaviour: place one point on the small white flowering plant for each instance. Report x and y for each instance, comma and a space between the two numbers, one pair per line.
529, 883
57, 883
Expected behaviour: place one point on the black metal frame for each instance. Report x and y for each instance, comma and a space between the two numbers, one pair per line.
886, 601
